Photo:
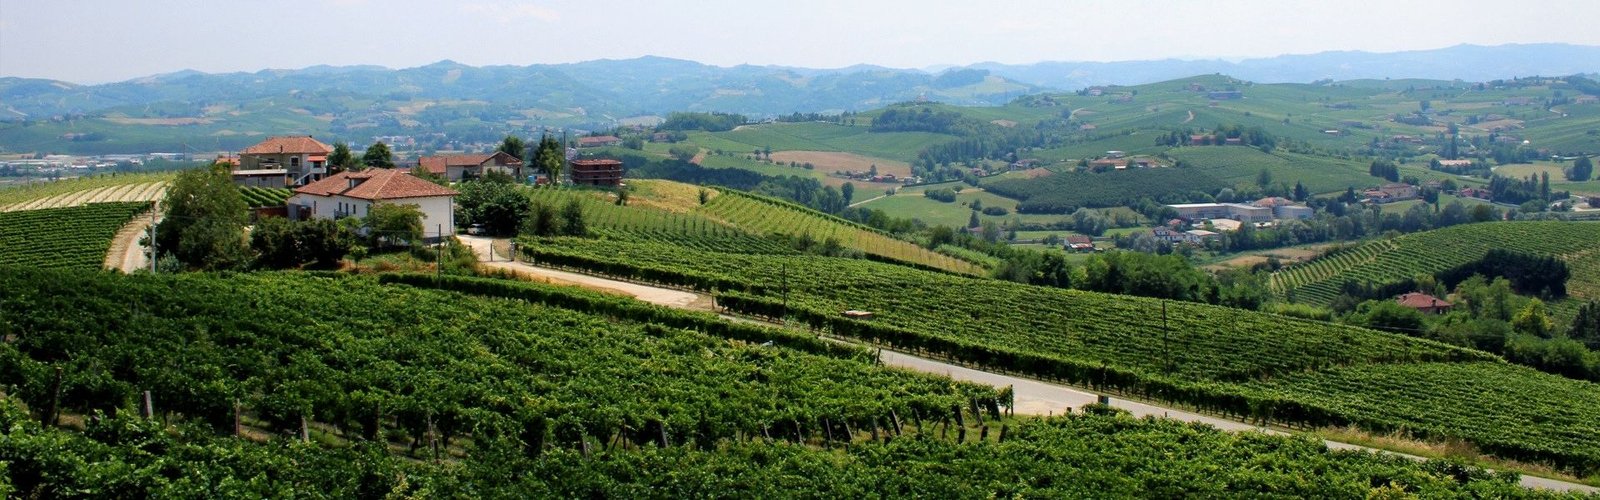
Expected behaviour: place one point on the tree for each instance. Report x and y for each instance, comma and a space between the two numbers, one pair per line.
284, 244
1387, 315
572, 223
393, 224
990, 231
1300, 191
550, 157
512, 145
541, 221
341, 159
1264, 178
972, 221
499, 207
1534, 320
1581, 170
378, 156
848, 190
204, 225
1586, 325
684, 152
422, 172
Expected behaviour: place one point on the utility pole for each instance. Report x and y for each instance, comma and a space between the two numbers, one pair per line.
152, 236
438, 256
1165, 334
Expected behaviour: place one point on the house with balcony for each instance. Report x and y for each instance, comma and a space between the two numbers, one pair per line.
302, 160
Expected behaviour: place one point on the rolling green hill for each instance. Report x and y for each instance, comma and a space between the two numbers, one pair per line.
1407, 256
1238, 362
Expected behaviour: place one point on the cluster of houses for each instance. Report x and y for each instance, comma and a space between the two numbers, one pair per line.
301, 163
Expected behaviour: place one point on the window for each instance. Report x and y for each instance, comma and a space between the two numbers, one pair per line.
294, 161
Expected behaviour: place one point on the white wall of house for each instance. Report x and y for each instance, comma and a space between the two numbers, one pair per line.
437, 211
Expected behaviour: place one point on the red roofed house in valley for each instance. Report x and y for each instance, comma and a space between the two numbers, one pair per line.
303, 159
1427, 304
352, 194
596, 172
456, 168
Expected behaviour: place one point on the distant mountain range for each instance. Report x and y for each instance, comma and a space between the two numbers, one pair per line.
601, 90
1471, 63
195, 111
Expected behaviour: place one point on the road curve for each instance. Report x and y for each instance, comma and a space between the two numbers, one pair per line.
1031, 397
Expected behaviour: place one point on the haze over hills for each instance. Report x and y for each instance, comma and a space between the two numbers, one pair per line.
1461, 62
654, 85
195, 111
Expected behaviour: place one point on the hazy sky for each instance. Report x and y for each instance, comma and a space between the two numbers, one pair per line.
95, 41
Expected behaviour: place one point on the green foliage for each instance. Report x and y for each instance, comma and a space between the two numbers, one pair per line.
572, 223
1096, 454
1394, 260
341, 159
56, 238
942, 194
393, 224
683, 152
1586, 325
1219, 359
710, 122
284, 244
204, 222
1582, 170
550, 157
378, 156
1533, 319
500, 207
1387, 315
1143, 274
512, 145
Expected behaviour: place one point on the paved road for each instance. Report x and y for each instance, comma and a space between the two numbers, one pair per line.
1032, 397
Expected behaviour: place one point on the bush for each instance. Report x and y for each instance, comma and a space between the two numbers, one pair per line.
992, 210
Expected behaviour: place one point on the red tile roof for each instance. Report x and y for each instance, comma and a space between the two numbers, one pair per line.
1419, 300
288, 145
375, 184
599, 139
437, 164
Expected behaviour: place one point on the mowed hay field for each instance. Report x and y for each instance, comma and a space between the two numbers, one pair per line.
832, 161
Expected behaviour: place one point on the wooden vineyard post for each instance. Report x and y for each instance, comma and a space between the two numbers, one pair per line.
238, 427
147, 408
51, 412
305, 430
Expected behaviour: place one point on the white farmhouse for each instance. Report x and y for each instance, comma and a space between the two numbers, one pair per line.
352, 194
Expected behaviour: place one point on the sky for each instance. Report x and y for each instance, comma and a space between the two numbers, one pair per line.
98, 41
